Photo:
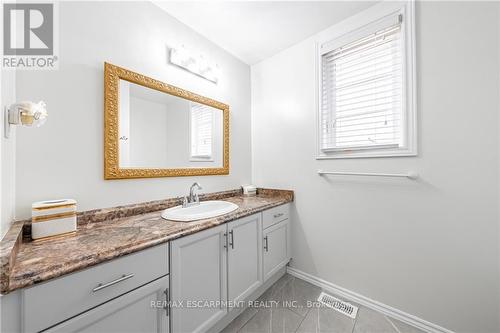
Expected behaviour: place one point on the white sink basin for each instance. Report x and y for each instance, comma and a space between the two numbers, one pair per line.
205, 210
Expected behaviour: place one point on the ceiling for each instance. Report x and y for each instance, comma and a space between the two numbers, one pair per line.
255, 30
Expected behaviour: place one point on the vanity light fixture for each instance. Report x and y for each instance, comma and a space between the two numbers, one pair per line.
26, 114
196, 64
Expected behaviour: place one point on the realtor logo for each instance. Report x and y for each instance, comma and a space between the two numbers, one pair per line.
29, 36
28, 29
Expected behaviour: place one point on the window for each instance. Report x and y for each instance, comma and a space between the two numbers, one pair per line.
366, 90
201, 131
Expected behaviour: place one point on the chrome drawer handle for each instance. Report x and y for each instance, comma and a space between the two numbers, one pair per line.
167, 300
278, 215
102, 286
231, 242
266, 245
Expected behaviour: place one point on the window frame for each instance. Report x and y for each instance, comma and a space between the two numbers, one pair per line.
354, 28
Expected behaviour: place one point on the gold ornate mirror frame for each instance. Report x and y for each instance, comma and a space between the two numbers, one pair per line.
112, 170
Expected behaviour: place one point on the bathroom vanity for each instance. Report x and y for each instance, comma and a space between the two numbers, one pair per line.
128, 269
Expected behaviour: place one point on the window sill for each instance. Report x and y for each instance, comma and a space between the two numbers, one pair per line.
201, 159
367, 154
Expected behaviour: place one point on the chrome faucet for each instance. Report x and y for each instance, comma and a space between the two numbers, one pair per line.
193, 198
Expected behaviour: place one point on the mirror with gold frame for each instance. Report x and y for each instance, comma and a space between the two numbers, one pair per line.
153, 129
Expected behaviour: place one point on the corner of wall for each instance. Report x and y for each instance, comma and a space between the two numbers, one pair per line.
498, 175
7, 154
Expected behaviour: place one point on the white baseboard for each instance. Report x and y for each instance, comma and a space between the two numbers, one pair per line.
369, 303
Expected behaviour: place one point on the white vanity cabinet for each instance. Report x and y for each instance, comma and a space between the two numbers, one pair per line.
276, 239
198, 275
213, 267
132, 312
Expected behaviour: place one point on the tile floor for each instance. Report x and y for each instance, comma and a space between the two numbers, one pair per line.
293, 315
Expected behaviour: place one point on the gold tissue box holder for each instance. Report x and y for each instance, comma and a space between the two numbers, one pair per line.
53, 219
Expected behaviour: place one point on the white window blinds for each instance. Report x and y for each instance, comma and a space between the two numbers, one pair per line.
362, 92
201, 131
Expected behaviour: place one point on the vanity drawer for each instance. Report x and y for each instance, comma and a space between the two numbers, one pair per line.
275, 215
49, 303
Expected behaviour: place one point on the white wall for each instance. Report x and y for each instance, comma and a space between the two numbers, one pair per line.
498, 140
124, 120
148, 133
428, 248
64, 158
177, 125
7, 154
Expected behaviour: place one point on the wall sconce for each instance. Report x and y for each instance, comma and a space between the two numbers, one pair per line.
26, 114
196, 64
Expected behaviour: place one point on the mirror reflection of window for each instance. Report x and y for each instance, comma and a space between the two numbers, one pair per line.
202, 119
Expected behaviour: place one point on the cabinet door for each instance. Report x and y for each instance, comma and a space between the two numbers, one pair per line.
244, 257
276, 248
199, 280
141, 310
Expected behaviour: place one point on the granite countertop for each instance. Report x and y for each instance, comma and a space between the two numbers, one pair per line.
109, 233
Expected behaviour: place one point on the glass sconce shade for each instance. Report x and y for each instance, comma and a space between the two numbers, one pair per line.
26, 114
